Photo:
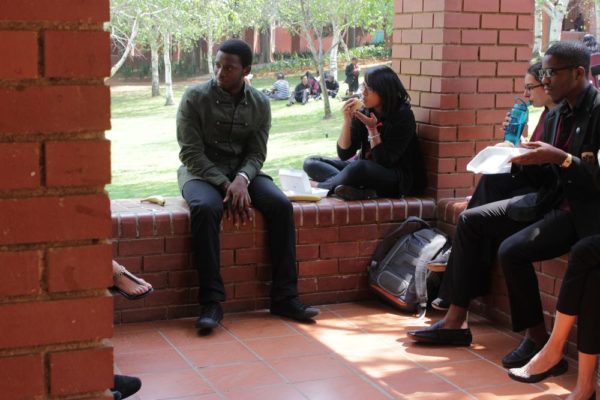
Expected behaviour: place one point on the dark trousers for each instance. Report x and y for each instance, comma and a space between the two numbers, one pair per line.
491, 188
580, 292
331, 172
206, 209
522, 243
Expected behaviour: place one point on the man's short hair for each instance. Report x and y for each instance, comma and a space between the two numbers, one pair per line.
571, 52
280, 76
239, 48
354, 59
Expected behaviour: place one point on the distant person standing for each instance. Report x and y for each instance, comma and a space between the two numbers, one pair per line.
352, 71
578, 24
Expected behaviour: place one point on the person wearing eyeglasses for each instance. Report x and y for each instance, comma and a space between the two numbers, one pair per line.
536, 226
491, 188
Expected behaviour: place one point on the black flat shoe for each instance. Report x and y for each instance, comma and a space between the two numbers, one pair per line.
125, 386
521, 354
520, 376
293, 308
440, 336
210, 316
351, 193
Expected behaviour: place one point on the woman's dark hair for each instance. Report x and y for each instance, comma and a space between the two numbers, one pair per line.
534, 70
385, 82
239, 48
571, 52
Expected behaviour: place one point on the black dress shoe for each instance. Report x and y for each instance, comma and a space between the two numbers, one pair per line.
210, 316
352, 193
437, 335
521, 376
521, 354
125, 386
293, 308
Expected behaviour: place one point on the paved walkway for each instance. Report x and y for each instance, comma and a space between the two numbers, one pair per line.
354, 351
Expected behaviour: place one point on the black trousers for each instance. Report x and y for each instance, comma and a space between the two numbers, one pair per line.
491, 188
206, 209
331, 172
580, 292
522, 243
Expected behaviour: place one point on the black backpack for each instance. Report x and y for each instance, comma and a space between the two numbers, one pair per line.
398, 272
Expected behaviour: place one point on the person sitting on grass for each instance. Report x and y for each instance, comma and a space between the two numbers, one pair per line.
280, 89
383, 128
332, 86
301, 92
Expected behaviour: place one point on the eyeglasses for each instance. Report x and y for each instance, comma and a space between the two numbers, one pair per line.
551, 72
529, 88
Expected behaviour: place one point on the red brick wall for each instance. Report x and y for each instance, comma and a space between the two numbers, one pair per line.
463, 62
335, 241
54, 213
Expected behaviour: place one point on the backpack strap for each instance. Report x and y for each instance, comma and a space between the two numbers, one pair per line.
411, 224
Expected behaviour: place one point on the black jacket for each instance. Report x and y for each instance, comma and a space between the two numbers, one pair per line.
576, 183
399, 148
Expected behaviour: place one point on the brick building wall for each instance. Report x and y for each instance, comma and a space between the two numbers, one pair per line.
54, 213
463, 62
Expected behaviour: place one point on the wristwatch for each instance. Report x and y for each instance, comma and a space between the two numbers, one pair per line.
567, 162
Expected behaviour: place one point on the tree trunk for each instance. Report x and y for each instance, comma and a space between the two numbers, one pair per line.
154, 67
324, 93
266, 54
537, 31
333, 53
128, 48
169, 101
209, 58
557, 15
597, 13
201, 59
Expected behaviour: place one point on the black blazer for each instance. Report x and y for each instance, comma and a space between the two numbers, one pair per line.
576, 183
399, 149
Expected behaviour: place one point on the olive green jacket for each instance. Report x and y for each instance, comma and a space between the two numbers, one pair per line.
218, 139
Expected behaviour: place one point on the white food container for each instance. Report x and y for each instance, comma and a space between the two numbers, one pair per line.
494, 160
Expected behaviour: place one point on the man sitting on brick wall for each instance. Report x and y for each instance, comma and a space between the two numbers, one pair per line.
222, 129
536, 226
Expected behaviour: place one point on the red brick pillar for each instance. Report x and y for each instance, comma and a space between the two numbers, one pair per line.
463, 62
55, 259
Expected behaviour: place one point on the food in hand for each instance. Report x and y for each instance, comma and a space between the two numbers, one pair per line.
357, 105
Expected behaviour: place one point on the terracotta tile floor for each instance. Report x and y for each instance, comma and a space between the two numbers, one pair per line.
354, 351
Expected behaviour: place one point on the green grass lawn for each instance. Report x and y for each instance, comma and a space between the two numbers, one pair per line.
145, 151
144, 145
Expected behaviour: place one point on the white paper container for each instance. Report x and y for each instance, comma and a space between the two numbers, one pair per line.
295, 182
494, 160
